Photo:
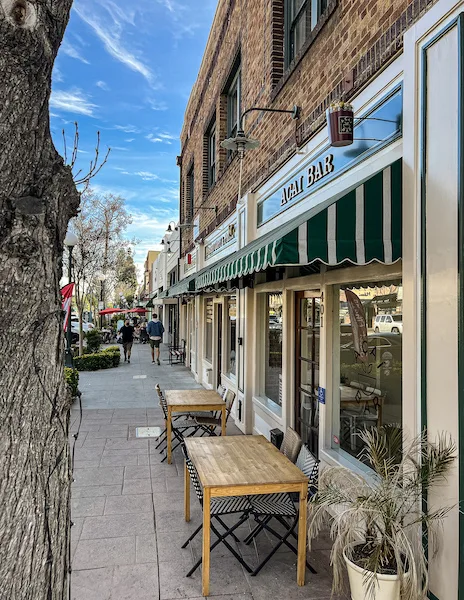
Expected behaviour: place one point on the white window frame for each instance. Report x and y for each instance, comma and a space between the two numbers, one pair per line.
233, 121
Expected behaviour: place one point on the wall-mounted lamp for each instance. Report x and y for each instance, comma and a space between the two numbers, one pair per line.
240, 143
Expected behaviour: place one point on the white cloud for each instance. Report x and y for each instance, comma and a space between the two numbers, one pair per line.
157, 105
147, 176
102, 85
168, 136
127, 128
57, 75
73, 100
130, 140
73, 52
150, 137
110, 30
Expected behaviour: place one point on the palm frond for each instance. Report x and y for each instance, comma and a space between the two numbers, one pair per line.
385, 511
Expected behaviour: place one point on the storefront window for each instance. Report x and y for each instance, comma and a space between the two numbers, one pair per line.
232, 335
273, 329
209, 330
368, 363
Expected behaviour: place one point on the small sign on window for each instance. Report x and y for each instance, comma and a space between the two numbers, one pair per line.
321, 395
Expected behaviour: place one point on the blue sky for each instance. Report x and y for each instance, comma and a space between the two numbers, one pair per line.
126, 69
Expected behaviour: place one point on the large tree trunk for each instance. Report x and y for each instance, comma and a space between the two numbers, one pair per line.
37, 199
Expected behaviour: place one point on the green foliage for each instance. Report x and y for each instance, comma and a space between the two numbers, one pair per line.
94, 340
115, 354
94, 362
72, 379
377, 519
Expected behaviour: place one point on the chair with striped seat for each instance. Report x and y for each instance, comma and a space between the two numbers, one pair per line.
181, 427
219, 507
282, 508
211, 424
291, 444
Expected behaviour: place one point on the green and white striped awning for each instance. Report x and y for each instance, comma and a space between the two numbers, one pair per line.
184, 286
361, 227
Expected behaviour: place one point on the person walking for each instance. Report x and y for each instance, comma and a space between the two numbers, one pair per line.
155, 330
127, 333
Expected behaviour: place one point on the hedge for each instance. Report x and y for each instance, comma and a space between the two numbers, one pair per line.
114, 352
71, 377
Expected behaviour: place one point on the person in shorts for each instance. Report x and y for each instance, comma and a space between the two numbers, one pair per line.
155, 330
127, 333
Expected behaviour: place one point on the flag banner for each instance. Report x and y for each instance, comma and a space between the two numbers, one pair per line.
358, 326
67, 294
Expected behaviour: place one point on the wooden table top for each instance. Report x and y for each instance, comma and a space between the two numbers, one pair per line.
241, 460
193, 398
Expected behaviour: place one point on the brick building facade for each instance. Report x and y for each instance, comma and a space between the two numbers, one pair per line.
277, 274
350, 44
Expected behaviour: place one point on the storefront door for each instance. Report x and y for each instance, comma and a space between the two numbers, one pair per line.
219, 344
308, 324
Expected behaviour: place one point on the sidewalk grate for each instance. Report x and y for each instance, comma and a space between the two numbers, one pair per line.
147, 432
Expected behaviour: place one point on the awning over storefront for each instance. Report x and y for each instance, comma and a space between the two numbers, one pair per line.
185, 286
363, 226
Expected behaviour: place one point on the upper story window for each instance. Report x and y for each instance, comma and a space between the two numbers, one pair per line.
301, 17
212, 155
190, 193
234, 97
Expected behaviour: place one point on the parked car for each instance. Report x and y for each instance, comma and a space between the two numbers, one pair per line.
388, 324
85, 326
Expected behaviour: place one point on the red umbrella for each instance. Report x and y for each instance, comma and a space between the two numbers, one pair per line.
110, 311
139, 311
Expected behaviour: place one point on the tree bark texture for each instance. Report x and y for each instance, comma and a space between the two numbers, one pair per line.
37, 199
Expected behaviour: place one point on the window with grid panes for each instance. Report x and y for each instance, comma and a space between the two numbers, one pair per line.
212, 155
301, 17
234, 106
190, 193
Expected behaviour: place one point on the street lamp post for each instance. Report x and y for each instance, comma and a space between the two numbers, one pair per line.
101, 278
70, 241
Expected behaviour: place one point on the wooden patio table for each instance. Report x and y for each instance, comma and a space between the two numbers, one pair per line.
189, 401
243, 465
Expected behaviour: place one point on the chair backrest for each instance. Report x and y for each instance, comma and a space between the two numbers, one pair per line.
221, 390
291, 444
229, 398
193, 475
162, 401
309, 464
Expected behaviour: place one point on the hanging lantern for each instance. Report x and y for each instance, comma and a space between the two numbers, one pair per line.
340, 124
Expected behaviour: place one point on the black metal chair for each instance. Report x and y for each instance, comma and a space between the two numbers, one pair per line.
219, 507
282, 508
211, 424
181, 426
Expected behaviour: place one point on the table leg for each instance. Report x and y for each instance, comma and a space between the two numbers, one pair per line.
206, 540
224, 416
186, 493
302, 535
169, 433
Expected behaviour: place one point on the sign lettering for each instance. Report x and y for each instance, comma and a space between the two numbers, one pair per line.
220, 242
315, 173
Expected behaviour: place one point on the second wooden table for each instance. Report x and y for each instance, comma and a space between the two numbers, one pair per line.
184, 401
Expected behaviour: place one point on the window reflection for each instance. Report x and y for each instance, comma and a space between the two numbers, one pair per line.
370, 345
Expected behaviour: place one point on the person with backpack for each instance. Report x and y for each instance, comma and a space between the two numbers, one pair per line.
155, 330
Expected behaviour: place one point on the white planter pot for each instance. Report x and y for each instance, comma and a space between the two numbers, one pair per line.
387, 588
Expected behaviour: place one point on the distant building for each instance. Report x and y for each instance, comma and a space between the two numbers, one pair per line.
152, 255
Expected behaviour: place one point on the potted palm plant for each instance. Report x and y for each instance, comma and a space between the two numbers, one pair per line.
379, 522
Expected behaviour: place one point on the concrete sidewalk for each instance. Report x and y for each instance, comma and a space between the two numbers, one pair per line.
127, 506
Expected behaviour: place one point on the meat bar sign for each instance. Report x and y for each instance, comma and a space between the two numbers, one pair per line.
312, 175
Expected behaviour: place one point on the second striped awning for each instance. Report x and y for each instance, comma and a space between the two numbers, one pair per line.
363, 226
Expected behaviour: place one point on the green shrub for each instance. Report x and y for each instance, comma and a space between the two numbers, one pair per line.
71, 377
94, 362
115, 354
94, 340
